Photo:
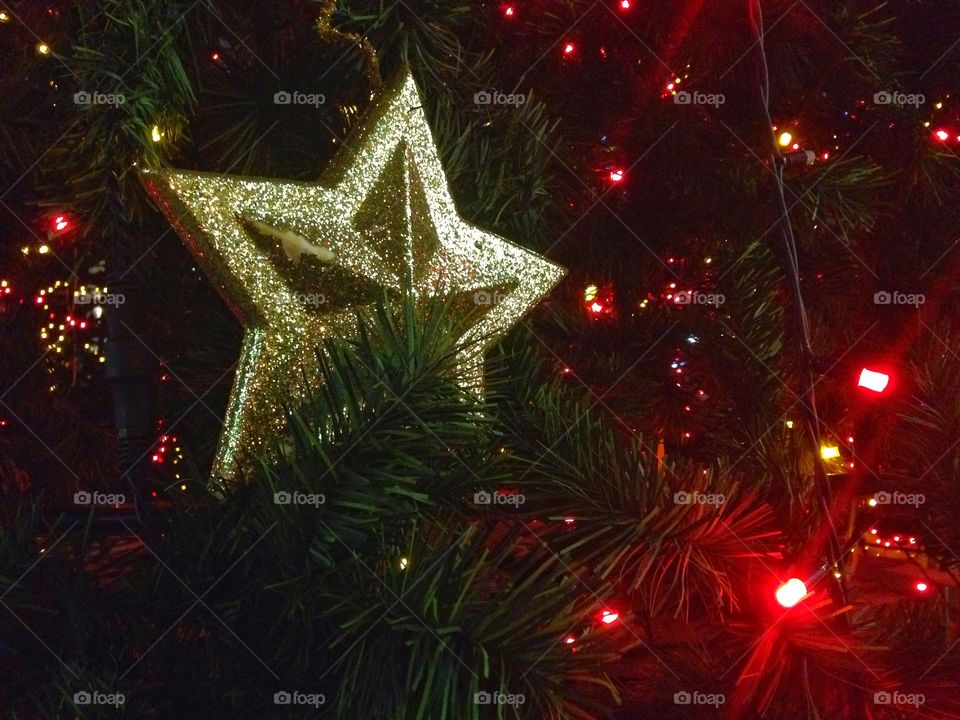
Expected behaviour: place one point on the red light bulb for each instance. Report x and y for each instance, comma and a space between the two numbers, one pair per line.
921, 586
942, 135
609, 616
872, 380
625, 4
616, 175
60, 223
569, 48
791, 592
509, 11
596, 307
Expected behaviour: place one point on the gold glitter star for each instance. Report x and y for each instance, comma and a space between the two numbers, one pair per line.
295, 260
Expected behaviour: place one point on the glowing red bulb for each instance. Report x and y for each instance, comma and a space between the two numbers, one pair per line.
875, 381
609, 616
215, 57
625, 4
569, 49
791, 592
569, 639
509, 11
921, 586
942, 135
596, 307
60, 223
616, 175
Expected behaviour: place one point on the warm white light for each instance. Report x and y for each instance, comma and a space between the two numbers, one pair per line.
791, 592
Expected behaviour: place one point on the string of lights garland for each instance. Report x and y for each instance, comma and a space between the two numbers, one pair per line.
806, 355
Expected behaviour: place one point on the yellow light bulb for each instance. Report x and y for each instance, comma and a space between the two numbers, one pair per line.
155, 134
785, 139
789, 424
589, 292
43, 249
43, 48
828, 452
4, 17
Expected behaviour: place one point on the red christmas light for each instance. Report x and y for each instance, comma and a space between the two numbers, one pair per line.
791, 592
921, 586
60, 223
625, 4
596, 307
609, 616
616, 175
569, 48
508, 11
872, 380
942, 135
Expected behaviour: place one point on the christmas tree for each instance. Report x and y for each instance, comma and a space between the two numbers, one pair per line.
463, 360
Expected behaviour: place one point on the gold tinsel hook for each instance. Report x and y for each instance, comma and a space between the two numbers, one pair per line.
329, 33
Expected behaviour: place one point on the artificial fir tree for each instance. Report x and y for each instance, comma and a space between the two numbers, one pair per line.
627, 141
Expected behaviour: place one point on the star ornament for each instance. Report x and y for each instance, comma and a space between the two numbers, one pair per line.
295, 261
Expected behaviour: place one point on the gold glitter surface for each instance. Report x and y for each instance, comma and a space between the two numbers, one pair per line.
384, 209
